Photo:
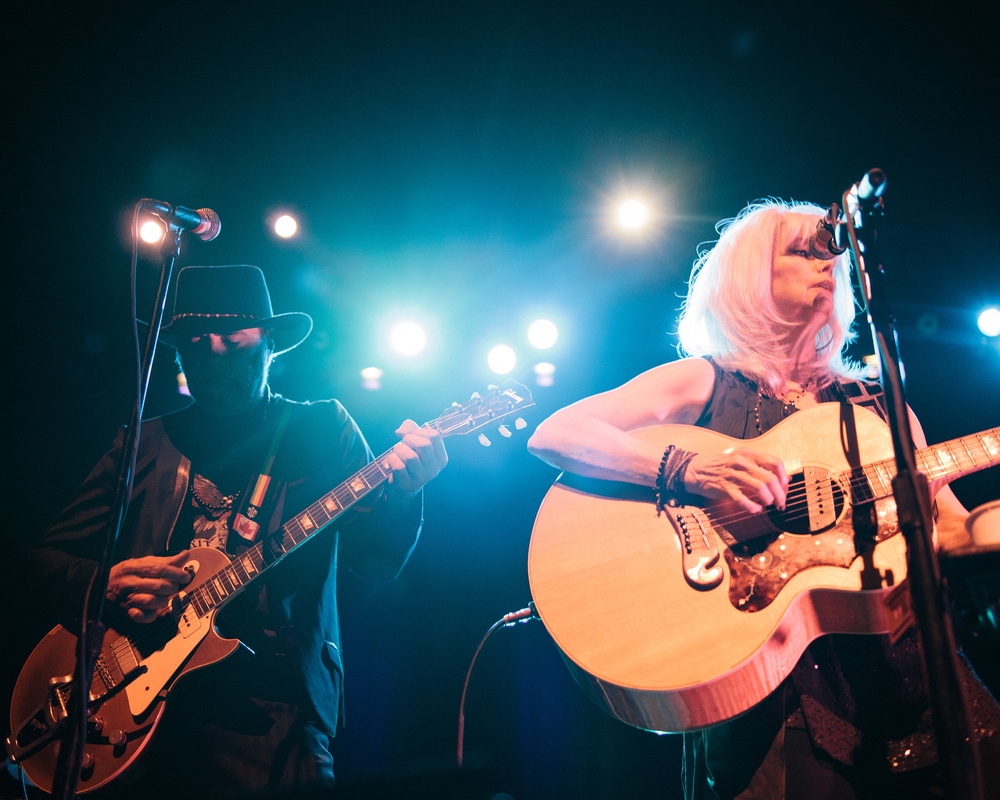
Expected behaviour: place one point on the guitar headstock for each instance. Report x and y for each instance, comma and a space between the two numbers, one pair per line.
492, 407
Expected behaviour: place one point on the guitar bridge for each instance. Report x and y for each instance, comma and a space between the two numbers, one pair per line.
44, 724
699, 552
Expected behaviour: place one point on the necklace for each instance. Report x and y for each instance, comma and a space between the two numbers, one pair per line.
209, 497
790, 398
788, 401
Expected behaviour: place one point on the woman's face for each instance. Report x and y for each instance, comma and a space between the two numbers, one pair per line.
801, 284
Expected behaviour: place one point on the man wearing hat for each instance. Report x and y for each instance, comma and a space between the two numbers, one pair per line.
223, 472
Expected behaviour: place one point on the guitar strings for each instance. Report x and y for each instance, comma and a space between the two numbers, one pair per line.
859, 483
797, 502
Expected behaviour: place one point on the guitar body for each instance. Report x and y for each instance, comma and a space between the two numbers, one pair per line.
681, 621
119, 727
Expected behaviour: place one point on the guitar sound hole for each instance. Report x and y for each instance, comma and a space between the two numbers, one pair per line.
814, 504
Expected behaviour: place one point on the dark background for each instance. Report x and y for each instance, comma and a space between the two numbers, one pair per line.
456, 160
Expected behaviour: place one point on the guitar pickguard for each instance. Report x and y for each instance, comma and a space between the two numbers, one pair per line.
826, 522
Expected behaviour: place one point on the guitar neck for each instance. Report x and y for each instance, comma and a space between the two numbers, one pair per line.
256, 560
946, 461
492, 407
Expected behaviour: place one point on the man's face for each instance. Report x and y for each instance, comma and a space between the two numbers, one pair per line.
226, 372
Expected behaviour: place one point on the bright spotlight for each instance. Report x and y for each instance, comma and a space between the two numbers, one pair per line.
871, 366
542, 334
633, 214
501, 359
989, 322
407, 338
371, 378
285, 226
151, 232
545, 373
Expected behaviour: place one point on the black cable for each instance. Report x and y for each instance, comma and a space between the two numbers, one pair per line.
506, 621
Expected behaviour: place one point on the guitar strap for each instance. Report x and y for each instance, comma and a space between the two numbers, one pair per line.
258, 501
859, 393
864, 394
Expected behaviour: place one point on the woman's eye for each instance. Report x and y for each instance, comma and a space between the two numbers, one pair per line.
803, 253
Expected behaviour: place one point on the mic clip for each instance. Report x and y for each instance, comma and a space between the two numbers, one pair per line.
824, 242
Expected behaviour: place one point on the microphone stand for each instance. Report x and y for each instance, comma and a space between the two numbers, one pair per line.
956, 751
70, 760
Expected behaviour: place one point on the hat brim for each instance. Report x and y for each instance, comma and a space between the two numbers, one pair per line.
288, 330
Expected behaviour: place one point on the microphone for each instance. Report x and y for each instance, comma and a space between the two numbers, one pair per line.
203, 222
871, 187
824, 242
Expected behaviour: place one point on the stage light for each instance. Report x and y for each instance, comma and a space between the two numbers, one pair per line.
408, 338
371, 378
501, 359
542, 334
151, 231
633, 214
285, 226
545, 373
989, 322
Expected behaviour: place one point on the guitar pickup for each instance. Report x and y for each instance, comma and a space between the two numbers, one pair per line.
819, 499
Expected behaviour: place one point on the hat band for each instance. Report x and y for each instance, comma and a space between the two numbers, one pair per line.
249, 317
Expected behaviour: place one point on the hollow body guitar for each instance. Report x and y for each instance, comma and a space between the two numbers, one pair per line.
681, 621
139, 666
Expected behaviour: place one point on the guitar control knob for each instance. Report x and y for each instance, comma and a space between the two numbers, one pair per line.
88, 762
116, 737
96, 724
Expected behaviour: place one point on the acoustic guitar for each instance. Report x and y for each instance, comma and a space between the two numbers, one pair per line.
680, 621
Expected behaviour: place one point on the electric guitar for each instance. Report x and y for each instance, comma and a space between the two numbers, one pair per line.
140, 665
677, 622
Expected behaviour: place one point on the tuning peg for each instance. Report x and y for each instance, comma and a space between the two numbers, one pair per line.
484, 441
504, 431
475, 396
520, 424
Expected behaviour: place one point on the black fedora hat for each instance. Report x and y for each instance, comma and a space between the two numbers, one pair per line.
230, 298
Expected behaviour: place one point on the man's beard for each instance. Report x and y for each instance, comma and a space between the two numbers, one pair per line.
230, 382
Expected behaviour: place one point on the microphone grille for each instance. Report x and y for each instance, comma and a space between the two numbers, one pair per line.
210, 226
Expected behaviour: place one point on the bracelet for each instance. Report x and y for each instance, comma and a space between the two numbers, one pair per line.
670, 476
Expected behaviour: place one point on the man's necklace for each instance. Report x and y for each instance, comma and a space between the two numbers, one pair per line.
209, 497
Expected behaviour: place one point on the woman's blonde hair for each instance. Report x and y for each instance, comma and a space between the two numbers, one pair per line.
729, 313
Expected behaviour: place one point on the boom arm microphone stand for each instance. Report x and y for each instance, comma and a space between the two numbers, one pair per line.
864, 209
69, 762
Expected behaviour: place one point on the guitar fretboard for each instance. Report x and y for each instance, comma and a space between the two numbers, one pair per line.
248, 566
244, 568
949, 460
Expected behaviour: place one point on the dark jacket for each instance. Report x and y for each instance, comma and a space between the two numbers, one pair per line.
320, 447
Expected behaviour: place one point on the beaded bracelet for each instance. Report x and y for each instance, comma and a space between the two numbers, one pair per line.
670, 476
